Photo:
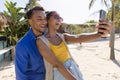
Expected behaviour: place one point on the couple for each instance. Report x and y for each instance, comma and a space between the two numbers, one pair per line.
42, 55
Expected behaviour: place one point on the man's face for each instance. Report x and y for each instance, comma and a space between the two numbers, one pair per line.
38, 22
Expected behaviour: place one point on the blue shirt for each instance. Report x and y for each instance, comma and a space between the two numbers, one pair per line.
29, 64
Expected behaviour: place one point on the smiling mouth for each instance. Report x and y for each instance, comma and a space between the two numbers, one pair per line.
43, 26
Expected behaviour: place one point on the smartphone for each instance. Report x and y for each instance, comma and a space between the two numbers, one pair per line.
102, 16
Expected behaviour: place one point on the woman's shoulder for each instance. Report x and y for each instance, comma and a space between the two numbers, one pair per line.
44, 39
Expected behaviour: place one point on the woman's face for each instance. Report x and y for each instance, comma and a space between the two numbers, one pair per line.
55, 21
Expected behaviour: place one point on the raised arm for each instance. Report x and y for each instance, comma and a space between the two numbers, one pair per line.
85, 38
80, 38
50, 57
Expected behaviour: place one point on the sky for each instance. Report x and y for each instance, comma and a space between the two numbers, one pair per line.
72, 11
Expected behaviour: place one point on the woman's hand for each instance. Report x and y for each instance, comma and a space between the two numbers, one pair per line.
104, 28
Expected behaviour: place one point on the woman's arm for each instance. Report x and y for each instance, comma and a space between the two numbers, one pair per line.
80, 38
50, 57
85, 38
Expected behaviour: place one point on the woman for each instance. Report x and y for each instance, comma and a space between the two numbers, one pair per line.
55, 43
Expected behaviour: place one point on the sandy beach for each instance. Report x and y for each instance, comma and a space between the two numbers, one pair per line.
93, 59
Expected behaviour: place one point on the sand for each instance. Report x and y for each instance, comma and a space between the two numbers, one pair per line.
7, 71
93, 59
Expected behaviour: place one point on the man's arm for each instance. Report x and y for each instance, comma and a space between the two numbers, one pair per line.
50, 57
20, 62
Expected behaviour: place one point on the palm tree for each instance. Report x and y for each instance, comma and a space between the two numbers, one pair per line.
31, 4
92, 2
112, 35
117, 17
17, 26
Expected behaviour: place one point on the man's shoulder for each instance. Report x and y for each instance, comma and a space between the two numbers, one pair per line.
27, 37
24, 40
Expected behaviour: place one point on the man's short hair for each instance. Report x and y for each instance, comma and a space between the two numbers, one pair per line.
30, 12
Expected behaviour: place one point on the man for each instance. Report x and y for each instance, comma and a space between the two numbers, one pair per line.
29, 63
